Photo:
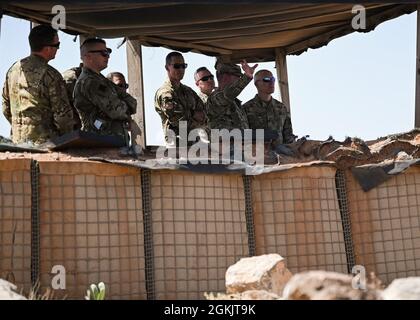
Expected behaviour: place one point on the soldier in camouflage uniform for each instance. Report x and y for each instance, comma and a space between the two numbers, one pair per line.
70, 77
104, 108
224, 108
34, 96
175, 102
265, 112
204, 80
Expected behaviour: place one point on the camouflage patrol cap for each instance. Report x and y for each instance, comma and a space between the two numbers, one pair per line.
229, 67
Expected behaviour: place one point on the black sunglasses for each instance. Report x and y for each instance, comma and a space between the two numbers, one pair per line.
207, 78
180, 65
55, 45
104, 53
268, 79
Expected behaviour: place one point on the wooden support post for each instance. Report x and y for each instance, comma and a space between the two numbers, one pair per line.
417, 107
281, 67
135, 79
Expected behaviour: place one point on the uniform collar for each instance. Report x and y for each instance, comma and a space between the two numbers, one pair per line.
262, 101
39, 58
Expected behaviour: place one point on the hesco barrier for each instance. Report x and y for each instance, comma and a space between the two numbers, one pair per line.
15, 221
171, 234
297, 214
386, 225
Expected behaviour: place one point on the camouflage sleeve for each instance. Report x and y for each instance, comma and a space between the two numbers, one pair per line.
6, 102
167, 107
105, 99
128, 99
69, 83
233, 90
288, 136
59, 102
199, 112
249, 111
218, 100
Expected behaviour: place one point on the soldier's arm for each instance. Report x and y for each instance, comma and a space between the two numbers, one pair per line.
128, 99
6, 102
247, 107
59, 102
288, 135
101, 96
199, 110
166, 106
234, 89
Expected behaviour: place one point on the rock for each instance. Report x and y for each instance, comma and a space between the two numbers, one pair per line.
247, 295
323, 285
7, 291
259, 295
266, 272
403, 289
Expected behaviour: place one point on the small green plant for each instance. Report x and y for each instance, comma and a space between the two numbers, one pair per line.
96, 292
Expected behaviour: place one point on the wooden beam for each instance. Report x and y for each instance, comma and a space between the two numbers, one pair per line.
417, 107
32, 15
135, 79
281, 67
183, 44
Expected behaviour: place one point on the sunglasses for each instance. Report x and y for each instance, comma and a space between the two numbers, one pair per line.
104, 53
123, 85
207, 78
55, 45
180, 65
268, 79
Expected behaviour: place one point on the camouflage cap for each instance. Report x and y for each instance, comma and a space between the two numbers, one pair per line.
230, 68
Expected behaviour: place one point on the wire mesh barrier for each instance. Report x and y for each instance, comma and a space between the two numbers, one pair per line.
386, 225
171, 234
15, 222
91, 222
199, 230
297, 215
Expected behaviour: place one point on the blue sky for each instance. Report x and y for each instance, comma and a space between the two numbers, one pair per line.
361, 85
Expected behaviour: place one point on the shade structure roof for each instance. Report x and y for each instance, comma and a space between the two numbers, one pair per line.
236, 29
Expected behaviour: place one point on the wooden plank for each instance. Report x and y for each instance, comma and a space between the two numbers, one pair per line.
29, 14
281, 67
417, 110
135, 79
183, 44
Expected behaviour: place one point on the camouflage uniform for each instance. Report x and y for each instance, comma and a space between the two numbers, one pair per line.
271, 115
184, 101
104, 108
35, 101
225, 110
70, 77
